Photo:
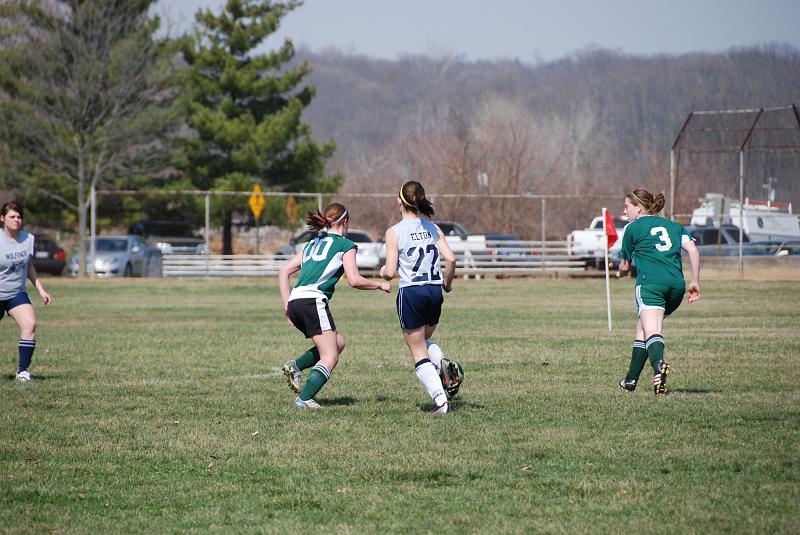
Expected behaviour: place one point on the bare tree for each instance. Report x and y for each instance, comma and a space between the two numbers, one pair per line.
87, 95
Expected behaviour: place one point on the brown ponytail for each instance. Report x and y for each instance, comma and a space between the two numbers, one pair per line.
412, 195
317, 221
652, 204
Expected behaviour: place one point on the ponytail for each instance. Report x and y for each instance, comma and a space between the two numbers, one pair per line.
412, 195
658, 203
333, 214
652, 204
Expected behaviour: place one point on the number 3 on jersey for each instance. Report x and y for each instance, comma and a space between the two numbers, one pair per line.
422, 253
666, 243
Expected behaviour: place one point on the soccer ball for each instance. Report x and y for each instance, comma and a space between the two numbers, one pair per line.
452, 375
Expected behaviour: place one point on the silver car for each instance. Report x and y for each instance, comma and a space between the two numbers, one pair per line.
121, 256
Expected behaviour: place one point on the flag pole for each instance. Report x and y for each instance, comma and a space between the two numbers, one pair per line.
605, 254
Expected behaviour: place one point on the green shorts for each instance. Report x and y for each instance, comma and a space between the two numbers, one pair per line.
657, 296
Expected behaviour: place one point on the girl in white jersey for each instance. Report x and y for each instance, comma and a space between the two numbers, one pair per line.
16, 250
321, 263
414, 247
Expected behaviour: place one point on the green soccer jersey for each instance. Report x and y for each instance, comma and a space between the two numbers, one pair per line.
654, 244
322, 266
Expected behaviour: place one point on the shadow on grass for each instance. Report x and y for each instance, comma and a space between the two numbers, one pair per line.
34, 378
339, 402
455, 406
692, 391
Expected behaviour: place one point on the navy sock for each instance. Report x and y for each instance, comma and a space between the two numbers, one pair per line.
26, 348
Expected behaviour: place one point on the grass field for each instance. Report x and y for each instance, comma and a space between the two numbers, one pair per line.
159, 406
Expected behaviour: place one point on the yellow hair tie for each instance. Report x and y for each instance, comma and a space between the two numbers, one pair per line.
404, 199
641, 202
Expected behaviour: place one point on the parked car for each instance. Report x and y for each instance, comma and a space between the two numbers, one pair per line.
170, 237
48, 256
506, 248
121, 256
723, 241
589, 243
370, 254
460, 240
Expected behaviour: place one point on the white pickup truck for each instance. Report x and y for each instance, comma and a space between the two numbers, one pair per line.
589, 242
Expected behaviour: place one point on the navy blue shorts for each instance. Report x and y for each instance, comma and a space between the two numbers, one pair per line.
419, 305
17, 300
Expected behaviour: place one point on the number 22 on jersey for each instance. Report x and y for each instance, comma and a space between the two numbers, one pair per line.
423, 253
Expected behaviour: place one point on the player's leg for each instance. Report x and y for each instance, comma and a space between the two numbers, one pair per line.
652, 302
435, 352
425, 370
25, 317
638, 360
327, 344
652, 321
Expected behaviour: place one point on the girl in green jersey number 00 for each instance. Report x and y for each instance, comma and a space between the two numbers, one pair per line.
321, 263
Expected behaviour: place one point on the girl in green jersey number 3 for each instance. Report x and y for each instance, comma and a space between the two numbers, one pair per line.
655, 244
321, 263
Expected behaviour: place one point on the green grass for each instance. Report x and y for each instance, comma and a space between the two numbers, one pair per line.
158, 406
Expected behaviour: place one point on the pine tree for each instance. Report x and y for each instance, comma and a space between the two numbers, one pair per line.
245, 109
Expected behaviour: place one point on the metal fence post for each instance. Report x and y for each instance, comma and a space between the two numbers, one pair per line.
544, 225
93, 229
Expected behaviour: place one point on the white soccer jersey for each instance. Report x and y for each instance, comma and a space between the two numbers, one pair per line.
418, 258
14, 258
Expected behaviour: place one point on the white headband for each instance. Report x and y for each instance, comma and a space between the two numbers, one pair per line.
341, 217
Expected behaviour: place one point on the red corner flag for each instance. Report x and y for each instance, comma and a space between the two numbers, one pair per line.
610, 229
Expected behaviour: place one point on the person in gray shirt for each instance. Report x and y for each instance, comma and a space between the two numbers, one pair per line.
16, 251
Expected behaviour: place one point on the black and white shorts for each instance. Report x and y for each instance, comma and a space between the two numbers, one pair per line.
311, 315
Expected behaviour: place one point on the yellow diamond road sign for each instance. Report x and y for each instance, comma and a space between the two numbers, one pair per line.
256, 201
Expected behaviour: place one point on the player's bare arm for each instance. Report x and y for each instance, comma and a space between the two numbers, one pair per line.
289, 268
624, 268
389, 269
694, 261
449, 262
355, 279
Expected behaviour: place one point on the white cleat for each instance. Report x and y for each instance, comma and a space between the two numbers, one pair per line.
441, 409
310, 404
24, 377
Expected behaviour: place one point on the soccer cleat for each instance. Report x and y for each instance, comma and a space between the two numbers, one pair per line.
24, 376
309, 404
441, 409
294, 376
660, 378
628, 386
452, 375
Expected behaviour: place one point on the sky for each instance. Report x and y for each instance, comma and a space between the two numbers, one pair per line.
531, 31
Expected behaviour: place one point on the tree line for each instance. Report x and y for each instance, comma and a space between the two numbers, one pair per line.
595, 122
92, 96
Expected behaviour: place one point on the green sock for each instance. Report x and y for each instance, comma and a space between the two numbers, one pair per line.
307, 359
638, 358
316, 380
655, 349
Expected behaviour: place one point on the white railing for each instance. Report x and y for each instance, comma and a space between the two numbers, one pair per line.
507, 258
174, 265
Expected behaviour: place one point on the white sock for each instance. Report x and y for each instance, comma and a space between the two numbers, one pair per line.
435, 353
429, 377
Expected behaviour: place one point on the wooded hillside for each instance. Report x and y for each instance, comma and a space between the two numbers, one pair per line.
597, 122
